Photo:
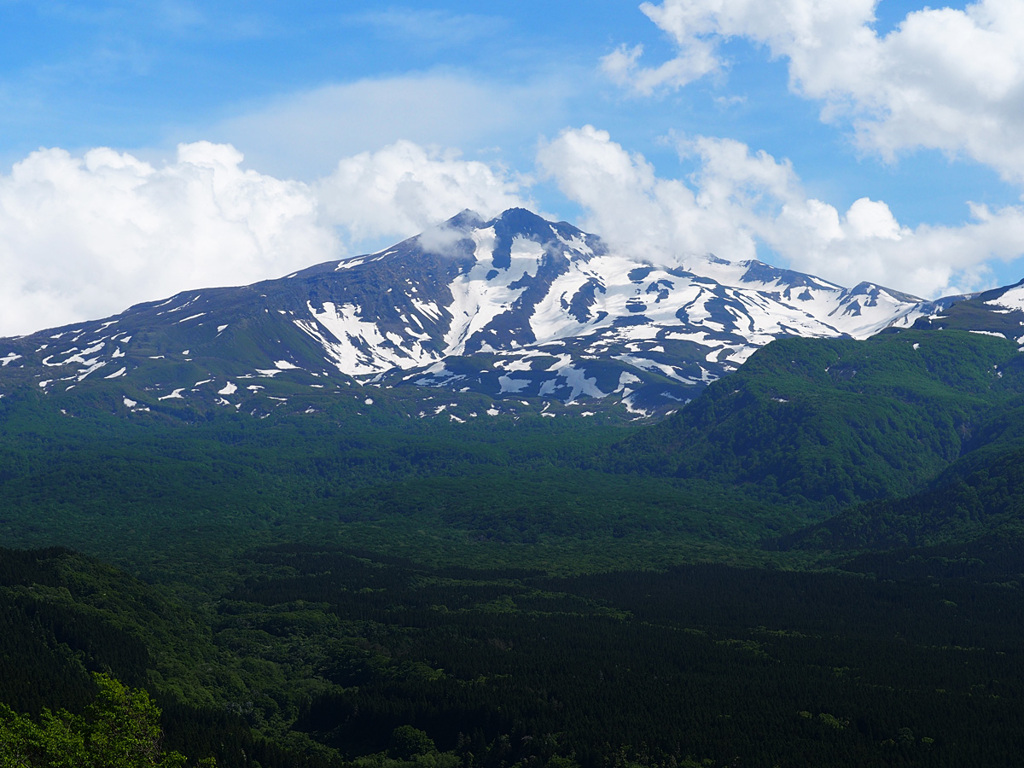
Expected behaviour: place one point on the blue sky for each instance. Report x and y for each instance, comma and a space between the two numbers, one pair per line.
147, 148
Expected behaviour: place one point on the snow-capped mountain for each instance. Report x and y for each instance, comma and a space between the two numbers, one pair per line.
997, 312
516, 310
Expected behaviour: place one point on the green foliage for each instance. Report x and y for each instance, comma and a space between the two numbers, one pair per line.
330, 657
120, 729
805, 429
408, 742
321, 591
698, 660
836, 421
977, 497
169, 500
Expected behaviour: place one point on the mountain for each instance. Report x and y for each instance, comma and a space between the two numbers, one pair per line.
979, 497
998, 312
837, 421
473, 317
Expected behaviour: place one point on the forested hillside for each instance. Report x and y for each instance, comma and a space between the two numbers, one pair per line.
815, 563
325, 656
836, 421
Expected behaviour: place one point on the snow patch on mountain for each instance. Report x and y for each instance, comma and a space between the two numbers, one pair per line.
516, 308
1012, 299
357, 346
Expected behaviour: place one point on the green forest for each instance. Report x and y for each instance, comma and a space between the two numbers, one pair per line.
818, 562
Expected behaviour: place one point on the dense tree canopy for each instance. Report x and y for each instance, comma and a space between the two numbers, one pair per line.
120, 729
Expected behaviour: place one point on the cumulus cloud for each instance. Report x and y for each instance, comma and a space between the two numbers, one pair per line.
86, 236
630, 206
405, 188
944, 79
739, 202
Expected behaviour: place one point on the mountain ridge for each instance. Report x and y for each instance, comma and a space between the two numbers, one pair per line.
516, 309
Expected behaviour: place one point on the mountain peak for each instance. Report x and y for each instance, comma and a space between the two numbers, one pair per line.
516, 309
465, 219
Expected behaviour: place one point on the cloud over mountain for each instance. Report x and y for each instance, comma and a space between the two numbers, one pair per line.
82, 237
404, 189
739, 201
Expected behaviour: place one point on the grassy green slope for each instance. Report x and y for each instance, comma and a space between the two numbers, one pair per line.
160, 494
804, 429
980, 497
835, 422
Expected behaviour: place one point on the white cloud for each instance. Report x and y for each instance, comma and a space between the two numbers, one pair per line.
663, 220
85, 237
944, 79
404, 188
622, 65
303, 135
738, 202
